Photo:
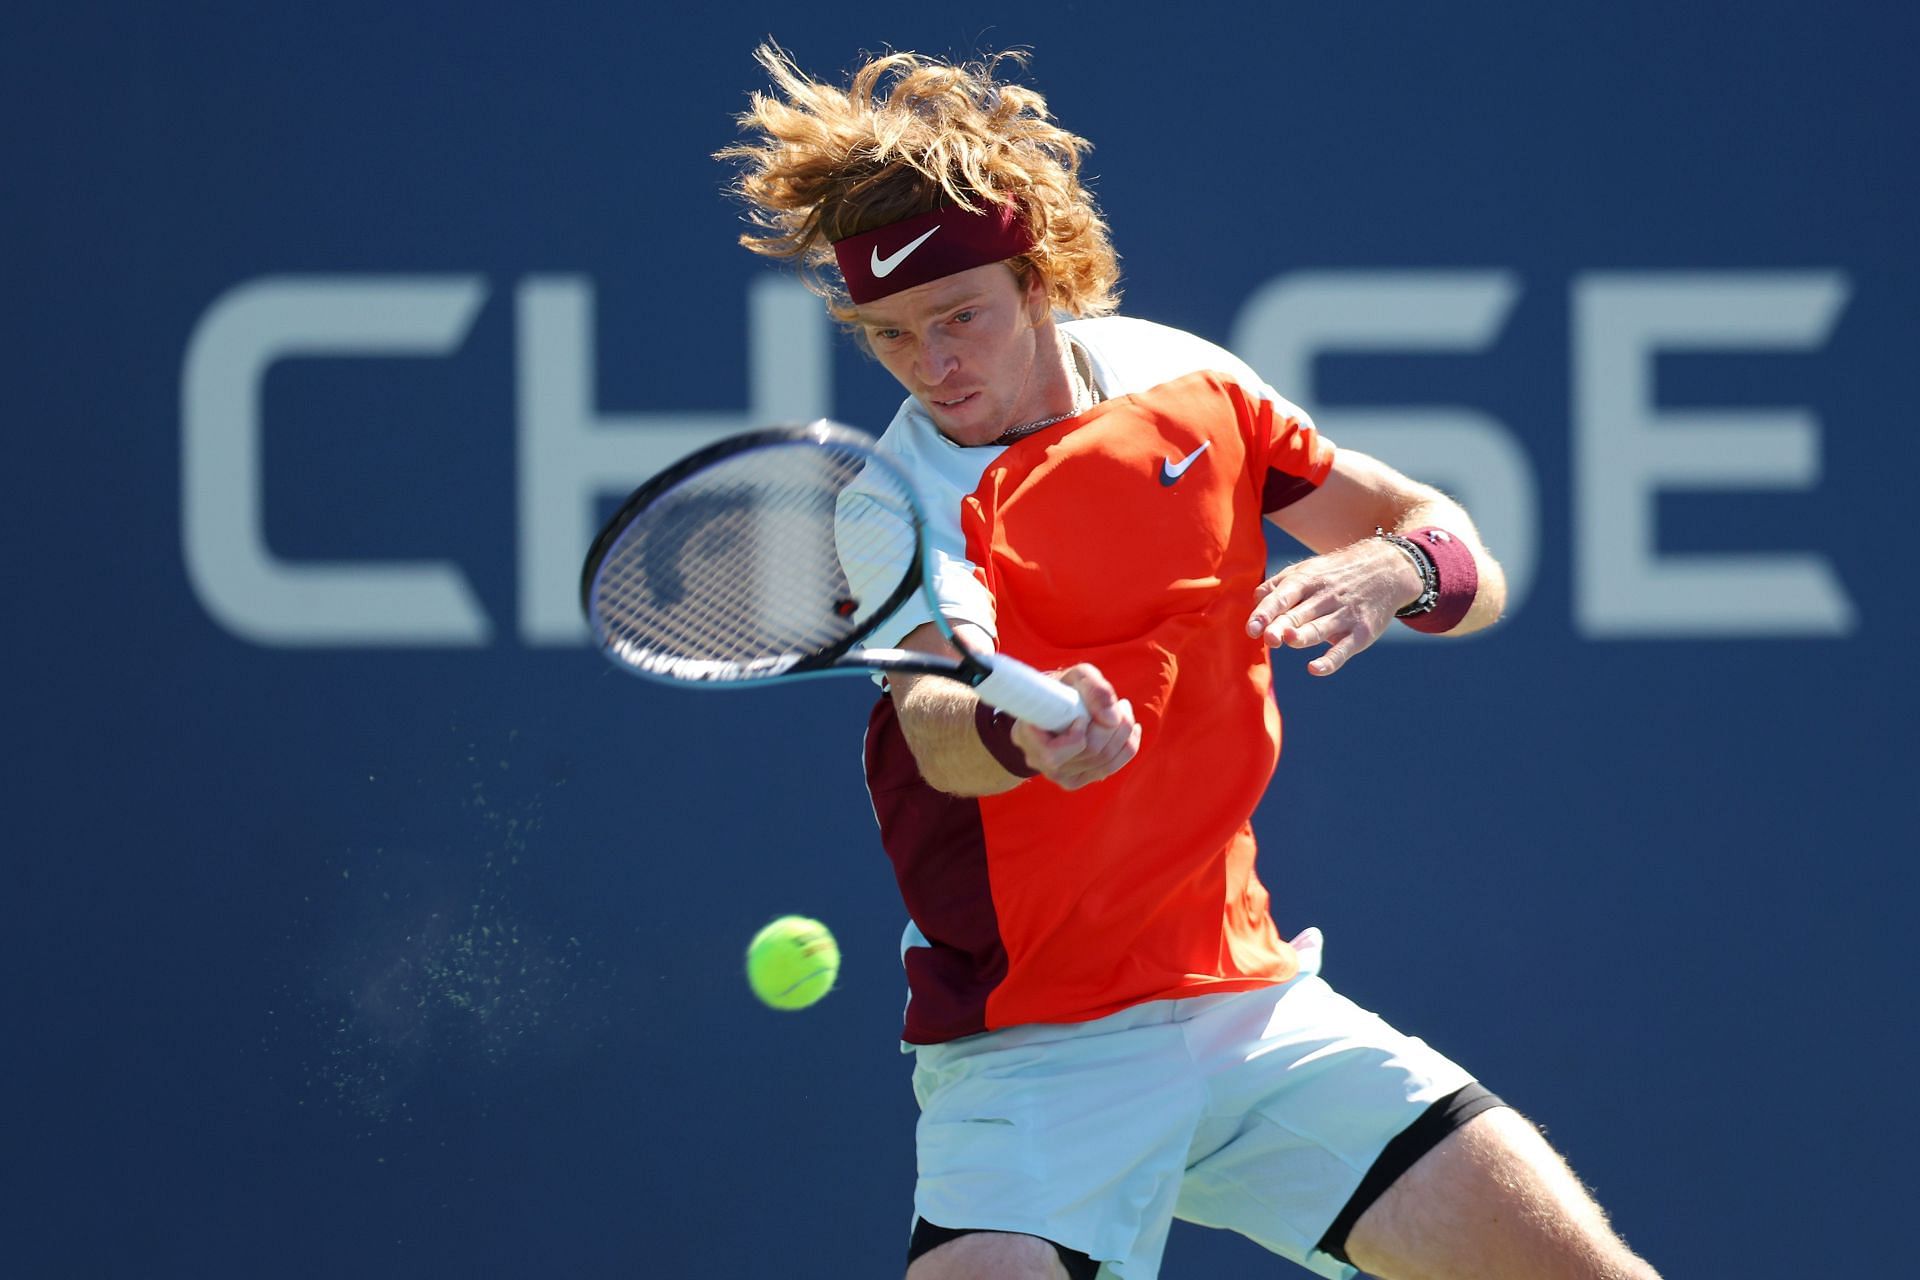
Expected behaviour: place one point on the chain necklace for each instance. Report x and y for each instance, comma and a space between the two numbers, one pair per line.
1028, 428
1083, 399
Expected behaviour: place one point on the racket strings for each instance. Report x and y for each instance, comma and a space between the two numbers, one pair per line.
723, 601
749, 565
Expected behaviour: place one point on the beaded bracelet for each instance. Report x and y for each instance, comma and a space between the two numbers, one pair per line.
1429, 597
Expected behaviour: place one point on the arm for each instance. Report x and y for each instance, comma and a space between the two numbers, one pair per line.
1347, 595
938, 717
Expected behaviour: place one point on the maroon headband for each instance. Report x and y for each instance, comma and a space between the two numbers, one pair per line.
926, 247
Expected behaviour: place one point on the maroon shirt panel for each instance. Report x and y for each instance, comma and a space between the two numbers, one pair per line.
939, 854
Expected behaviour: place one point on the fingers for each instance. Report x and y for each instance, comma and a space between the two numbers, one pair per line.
1296, 631
1095, 691
1293, 609
1336, 656
1104, 755
1305, 625
1084, 752
1274, 598
1335, 600
1344, 631
1109, 746
1090, 749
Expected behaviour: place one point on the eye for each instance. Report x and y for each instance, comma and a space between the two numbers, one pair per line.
963, 316
886, 335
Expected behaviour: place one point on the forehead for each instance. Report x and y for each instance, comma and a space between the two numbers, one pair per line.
974, 285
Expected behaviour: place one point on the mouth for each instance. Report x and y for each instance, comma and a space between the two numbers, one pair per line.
954, 403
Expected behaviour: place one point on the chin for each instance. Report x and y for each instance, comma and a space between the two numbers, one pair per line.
968, 423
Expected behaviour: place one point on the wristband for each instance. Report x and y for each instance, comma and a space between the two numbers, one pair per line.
996, 735
1457, 580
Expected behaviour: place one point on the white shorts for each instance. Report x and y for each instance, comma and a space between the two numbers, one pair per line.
1258, 1112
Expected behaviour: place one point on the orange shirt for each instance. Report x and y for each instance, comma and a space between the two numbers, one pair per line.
1128, 537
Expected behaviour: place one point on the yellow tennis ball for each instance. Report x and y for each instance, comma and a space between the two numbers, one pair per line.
792, 962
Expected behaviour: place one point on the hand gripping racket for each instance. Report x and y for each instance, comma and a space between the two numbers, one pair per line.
769, 556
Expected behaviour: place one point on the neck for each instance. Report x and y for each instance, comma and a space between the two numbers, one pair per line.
1066, 392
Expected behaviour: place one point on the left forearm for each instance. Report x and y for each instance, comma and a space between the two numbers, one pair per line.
1362, 494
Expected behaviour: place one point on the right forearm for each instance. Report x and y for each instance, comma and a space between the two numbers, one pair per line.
938, 718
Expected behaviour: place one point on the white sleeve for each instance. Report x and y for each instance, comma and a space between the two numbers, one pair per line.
1131, 355
942, 476
960, 595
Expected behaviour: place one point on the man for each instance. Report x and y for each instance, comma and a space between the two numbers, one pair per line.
1109, 1030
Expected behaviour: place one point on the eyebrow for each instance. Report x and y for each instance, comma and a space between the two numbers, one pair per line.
959, 301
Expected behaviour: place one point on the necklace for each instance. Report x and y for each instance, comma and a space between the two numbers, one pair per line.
1083, 399
1028, 428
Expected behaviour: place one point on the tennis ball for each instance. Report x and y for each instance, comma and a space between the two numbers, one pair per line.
792, 962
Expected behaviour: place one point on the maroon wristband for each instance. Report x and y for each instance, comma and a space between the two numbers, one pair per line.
996, 734
1458, 575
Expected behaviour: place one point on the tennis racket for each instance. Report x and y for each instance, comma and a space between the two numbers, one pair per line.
770, 556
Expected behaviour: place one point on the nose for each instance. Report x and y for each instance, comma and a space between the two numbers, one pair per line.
935, 361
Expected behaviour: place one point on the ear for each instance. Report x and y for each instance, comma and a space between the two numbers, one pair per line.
1038, 304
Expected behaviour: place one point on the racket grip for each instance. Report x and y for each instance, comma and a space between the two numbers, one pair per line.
1026, 694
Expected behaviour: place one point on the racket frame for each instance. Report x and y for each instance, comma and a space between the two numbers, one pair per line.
835, 659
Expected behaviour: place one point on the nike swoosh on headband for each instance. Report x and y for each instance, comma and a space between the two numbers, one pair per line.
883, 267
1171, 470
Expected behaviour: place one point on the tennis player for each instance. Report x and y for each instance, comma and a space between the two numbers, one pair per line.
1109, 1031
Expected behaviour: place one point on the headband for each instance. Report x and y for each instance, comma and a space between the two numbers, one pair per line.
928, 246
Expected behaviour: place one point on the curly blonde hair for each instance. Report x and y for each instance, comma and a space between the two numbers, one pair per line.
908, 135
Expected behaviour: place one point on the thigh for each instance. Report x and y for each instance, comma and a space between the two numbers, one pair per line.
1307, 1091
1492, 1201
990, 1255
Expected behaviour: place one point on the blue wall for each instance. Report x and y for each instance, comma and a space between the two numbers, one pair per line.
416, 952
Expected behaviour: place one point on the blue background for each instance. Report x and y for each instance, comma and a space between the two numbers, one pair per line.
378, 961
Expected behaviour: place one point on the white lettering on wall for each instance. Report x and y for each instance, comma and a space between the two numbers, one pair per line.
1626, 451
1289, 322
250, 591
572, 455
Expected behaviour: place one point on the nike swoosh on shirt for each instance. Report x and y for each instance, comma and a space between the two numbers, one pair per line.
883, 267
1171, 470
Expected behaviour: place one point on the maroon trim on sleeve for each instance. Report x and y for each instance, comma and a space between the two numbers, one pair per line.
1283, 490
1459, 577
996, 734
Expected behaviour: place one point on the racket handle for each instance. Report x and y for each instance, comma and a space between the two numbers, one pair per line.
1026, 694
